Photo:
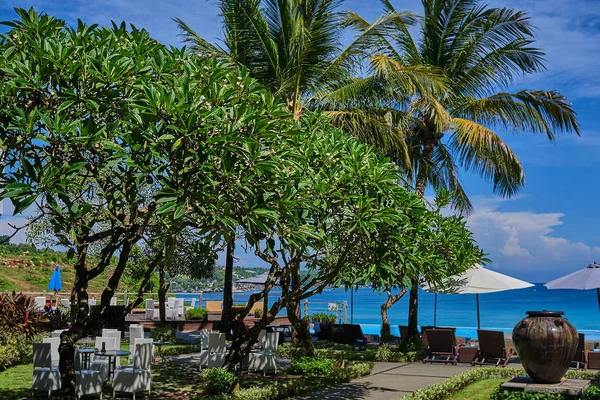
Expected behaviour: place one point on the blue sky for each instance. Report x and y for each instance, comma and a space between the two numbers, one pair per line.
553, 226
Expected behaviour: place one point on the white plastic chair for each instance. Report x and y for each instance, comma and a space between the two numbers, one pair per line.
140, 341
178, 307
113, 301
54, 355
101, 363
65, 303
216, 350
204, 334
192, 305
265, 360
87, 381
138, 378
45, 376
115, 333
40, 303
262, 338
151, 312
92, 302
135, 332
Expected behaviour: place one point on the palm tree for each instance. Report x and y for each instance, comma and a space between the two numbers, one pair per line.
480, 51
293, 47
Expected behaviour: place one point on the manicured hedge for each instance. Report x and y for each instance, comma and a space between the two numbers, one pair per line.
444, 389
338, 352
294, 387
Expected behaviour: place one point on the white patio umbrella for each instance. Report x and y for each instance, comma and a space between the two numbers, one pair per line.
477, 280
584, 279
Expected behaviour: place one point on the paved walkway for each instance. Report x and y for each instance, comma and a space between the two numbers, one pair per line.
389, 381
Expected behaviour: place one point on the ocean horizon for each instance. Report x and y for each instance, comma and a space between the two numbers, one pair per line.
499, 311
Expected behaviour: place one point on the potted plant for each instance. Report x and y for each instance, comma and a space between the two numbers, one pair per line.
258, 312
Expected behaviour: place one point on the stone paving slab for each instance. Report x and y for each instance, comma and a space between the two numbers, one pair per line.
389, 381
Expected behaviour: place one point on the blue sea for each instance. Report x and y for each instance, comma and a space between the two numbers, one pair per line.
499, 311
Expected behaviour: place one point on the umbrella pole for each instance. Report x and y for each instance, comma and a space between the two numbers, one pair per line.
478, 317
435, 310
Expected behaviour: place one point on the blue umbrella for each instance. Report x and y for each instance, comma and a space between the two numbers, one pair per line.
56, 281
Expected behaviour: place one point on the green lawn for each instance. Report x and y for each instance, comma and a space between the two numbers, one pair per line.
479, 390
15, 382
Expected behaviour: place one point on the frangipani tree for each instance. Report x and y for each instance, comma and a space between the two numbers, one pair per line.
105, 132
439, 247
347, 219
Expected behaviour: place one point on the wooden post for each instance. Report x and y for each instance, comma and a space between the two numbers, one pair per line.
200, 298
125, 300
305, 308
345, 312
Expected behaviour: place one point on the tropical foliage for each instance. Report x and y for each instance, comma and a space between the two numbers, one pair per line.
104, 131
18, 313
478, 52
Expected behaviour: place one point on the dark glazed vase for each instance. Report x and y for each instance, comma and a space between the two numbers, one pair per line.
546, 344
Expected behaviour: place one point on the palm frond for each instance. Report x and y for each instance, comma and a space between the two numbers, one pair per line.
196, 43
480, 150
545, 112
383, 127
248, 39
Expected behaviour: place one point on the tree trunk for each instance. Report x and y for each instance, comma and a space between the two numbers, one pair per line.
300, 331
162, 297
413, 310
79, 312
227, 314
420, 186
293, 308
386, 335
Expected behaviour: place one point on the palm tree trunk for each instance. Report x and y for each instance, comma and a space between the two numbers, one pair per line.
227, 314
420, 186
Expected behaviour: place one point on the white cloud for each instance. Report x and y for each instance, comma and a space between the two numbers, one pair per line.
521, 243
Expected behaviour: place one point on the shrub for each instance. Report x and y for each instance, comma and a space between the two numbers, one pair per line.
18, 312
512, 395
284, 389
324, 317
445, 389
310, 366
175, 349
165, 334
593, 393
330, 351
197, 314
218, 380
15, 348
55, 319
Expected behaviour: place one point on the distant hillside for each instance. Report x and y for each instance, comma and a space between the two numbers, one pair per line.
28, 269
25, 268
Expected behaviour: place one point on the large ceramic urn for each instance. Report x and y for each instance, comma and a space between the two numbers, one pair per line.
546, 344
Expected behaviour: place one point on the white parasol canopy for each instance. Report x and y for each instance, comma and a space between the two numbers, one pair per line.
477, 280
584, 279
